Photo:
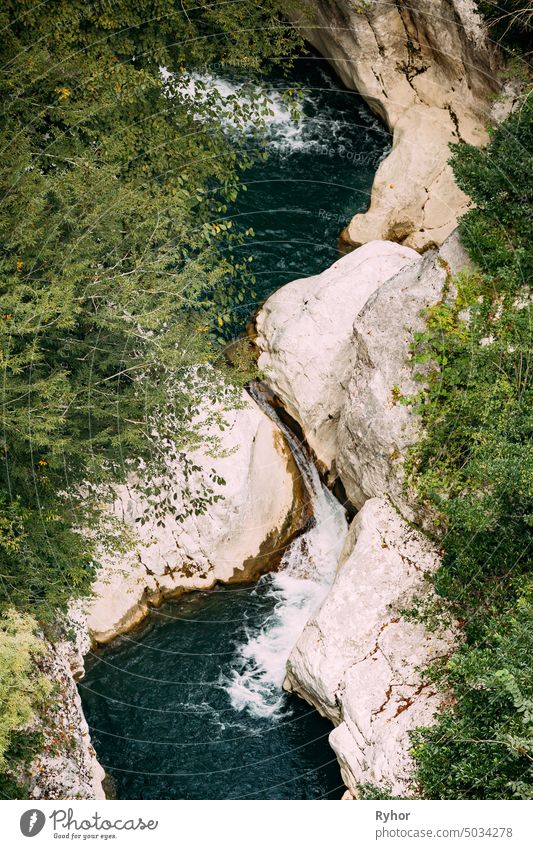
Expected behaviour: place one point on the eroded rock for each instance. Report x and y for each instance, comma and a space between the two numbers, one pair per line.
358, 660
66, 766
336, 350
304, 333
375, 428
428, 69
236, 538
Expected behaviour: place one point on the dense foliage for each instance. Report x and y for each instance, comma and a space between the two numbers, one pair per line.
474, 471
22, 687
116, 264
510, 21
112, 279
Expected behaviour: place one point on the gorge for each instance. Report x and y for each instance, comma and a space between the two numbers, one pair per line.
196, 629
319, 169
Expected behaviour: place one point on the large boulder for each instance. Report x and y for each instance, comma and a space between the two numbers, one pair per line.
257, 506
304, 333
358, 660
429, 70
336, 350
375, 428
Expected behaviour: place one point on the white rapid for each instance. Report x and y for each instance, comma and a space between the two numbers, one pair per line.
302, 582
292, 124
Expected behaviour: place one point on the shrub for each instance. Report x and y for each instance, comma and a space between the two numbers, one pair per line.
474, 468
22, 687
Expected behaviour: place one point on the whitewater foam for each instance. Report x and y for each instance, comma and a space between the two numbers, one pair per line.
305, 575
291, 123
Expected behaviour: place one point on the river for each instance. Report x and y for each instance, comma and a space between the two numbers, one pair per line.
190, 705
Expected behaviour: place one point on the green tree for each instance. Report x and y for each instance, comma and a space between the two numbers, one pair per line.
22, 686
510, 21
116, 257
481, 748
474, 470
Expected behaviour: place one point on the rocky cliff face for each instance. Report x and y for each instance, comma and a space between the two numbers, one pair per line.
359, 657
258, 508
66, 767
335, 349
428, 69
375, 428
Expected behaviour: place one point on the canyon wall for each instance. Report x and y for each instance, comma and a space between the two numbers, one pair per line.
335, 349
428, 69
66, 766
359, 658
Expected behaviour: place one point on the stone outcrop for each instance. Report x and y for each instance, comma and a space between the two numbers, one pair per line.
66, 767
359, 657
335, 349
254, 512
428, 69
375, 428
304, 333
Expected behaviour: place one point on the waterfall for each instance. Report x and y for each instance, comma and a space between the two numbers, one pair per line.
306, 572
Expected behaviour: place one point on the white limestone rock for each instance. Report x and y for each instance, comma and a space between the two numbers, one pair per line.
454, 255
304, 334
375, 428
335, 349
66, 767
358, 658
260, 507
415, 199
429, 70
